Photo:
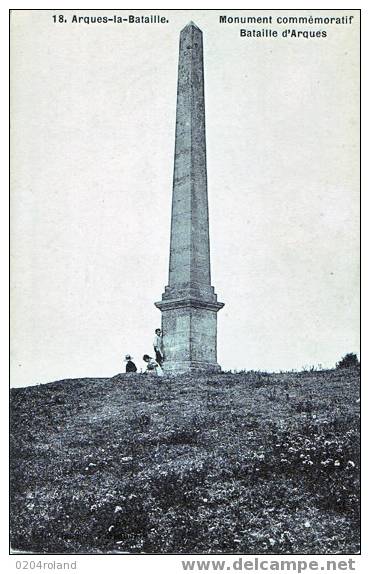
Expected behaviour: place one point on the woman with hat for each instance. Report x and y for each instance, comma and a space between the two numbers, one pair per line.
130, 365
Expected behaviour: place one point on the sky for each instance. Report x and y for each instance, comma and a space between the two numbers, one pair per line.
93, 121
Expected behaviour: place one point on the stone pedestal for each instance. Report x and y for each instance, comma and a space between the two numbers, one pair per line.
189, 304
189, 335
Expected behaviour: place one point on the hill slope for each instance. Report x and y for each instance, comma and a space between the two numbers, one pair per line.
223, 463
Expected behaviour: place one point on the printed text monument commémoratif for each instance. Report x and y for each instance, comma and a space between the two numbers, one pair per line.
286, 19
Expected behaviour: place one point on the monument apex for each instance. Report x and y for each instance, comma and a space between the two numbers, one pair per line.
189, 304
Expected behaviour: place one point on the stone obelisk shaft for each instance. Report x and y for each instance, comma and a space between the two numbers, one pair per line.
189, 254
189, 304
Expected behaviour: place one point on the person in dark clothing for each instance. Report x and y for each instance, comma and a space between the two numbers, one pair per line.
130, 365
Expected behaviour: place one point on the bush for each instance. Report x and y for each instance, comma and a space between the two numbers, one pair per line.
349, 360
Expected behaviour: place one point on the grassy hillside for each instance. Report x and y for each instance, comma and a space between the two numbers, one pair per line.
224, 463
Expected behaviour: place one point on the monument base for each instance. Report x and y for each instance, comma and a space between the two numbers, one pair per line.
190, 367
189, 330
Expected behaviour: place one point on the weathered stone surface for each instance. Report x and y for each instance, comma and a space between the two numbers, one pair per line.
189, 304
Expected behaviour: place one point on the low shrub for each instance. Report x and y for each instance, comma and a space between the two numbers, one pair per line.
349, 360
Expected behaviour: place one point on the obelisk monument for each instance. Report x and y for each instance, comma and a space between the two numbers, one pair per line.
189, 304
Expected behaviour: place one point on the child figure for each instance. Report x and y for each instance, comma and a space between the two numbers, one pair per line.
153, 366
130, 365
